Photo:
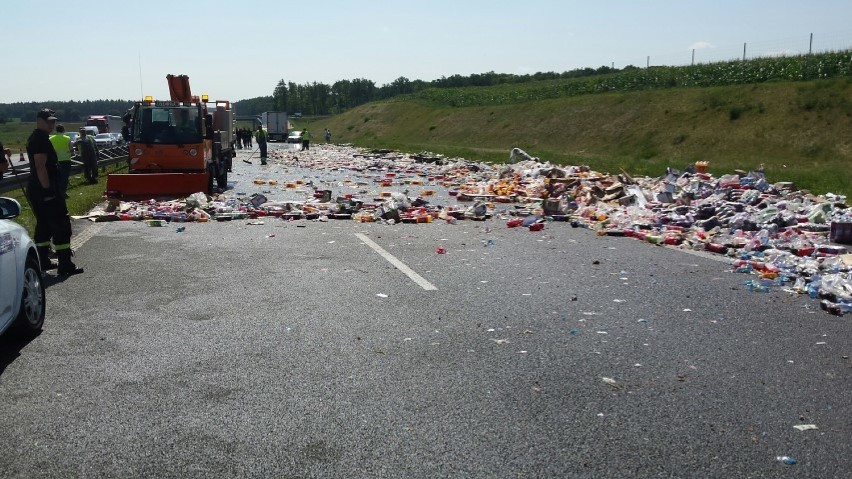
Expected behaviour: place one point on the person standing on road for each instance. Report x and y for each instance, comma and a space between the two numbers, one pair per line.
88, 150
62, 144
306, 139
247, 138
5, 159
327, 135
260, 136
49, 208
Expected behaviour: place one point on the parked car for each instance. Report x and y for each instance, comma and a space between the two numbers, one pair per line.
294, 136
22, 299
119, 140
104, 140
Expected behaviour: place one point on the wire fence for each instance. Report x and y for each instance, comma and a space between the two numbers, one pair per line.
704, 52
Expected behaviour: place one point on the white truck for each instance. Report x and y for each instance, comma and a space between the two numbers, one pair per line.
276, 125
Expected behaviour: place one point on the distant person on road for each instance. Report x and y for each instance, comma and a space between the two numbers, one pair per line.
62, 144
51, 213
306, 139
238, 138
327, 135
247, 138
88, 151
260, 136
5, 159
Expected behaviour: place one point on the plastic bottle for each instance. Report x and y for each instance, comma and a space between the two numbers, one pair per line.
813, 287
786, 460
755, 286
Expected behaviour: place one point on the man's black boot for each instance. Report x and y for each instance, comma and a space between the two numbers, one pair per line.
44, 258
66, 267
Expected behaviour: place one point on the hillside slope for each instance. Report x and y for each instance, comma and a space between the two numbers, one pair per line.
800, 131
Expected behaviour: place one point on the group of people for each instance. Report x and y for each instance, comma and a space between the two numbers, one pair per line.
261, 136
243, 137
87, 151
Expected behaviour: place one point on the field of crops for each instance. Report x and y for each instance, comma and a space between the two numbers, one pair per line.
793, 68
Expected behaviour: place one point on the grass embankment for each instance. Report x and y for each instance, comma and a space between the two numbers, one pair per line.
799, 131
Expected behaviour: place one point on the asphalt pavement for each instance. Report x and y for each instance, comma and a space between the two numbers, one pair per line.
310, 349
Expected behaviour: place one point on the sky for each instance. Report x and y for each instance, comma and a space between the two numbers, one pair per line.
238, 49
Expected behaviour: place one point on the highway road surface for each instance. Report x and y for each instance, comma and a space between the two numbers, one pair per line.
342, 349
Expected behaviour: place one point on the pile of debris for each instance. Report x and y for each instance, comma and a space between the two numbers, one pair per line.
788, 238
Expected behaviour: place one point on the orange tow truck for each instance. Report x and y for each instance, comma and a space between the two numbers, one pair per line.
177, 147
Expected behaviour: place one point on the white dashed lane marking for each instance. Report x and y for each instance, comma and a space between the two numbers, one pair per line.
397, 263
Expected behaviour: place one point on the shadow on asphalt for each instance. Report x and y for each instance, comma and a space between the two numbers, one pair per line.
11, 344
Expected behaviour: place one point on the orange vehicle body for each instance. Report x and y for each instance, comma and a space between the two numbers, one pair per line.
178, 147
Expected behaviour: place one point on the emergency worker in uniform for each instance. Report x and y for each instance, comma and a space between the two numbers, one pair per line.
260, 136
51, 213
306, 139
62, 144
88, 150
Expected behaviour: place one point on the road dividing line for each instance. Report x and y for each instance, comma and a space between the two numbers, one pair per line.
397, 263
86, 235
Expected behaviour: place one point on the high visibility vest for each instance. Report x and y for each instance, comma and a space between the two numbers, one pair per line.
62, 144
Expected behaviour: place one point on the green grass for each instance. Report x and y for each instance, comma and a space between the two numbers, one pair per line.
14, 134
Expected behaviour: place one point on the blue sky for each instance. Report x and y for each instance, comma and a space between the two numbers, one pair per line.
240, 48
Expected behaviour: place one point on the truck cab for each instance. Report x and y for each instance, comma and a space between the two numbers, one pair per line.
177, 147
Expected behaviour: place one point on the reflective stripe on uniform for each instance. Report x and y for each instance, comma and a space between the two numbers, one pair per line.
60, 247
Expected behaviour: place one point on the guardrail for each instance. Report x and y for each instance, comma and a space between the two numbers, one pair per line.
14, 178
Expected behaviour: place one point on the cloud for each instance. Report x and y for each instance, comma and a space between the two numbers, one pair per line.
701, 46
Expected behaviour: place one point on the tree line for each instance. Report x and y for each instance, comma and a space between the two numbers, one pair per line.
308, 99
323, 99
72, 111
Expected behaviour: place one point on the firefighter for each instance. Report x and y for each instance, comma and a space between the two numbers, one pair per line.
88, 151
62, 144
51, 213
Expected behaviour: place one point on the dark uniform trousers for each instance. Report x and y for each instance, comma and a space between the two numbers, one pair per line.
52, 221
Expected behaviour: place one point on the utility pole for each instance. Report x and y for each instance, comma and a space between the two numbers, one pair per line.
693, 57
811, 45
744, 51
648, 62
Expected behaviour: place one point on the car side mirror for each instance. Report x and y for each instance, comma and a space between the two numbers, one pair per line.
9, 208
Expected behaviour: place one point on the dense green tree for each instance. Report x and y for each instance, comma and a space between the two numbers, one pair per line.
280, 95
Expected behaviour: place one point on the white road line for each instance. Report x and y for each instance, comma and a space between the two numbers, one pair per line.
86, 235
397, 263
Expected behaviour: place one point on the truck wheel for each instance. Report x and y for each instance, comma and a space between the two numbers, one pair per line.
222, 178
211, 173
31, 315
